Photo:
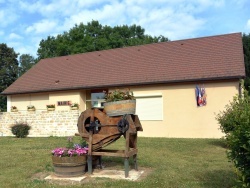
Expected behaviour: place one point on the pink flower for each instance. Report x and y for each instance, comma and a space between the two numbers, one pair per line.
65, 152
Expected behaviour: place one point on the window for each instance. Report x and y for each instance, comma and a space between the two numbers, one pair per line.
95, 98
149, 107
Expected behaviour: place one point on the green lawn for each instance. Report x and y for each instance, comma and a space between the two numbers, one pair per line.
172, 162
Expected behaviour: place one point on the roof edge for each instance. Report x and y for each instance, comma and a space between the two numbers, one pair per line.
130, 84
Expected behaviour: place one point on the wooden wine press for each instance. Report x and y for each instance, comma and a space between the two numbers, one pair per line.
100, 130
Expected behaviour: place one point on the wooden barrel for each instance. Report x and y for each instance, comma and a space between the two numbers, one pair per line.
119, 108
69, 166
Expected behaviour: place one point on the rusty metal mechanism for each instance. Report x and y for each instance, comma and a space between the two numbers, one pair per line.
100, 130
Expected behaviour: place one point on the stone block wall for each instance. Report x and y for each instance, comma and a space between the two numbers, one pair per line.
43, 123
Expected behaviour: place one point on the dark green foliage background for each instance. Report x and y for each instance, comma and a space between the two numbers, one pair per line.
246, 50
94, 37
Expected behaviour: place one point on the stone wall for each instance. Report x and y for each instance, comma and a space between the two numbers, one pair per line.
43, 123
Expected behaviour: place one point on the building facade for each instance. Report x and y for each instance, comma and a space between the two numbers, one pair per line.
179, 86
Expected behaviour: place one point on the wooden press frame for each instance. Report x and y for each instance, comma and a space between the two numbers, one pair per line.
126, 153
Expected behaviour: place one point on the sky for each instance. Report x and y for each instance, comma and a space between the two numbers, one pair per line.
24, 23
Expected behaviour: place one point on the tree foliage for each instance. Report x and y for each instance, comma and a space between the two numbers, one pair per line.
235, 123
246, 49
94, 37
8, 70
26, 61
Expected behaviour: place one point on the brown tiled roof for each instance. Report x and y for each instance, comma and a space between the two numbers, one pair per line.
206, 58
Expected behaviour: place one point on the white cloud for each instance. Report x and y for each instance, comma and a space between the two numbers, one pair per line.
20, 48
7, 16
175, 19
44, 26
14, 36
114, 14
56, 8
174, 25
30, 7
240, 3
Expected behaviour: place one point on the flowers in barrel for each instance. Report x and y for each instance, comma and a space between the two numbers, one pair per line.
71, 160
118, 95
119, 102
72, 149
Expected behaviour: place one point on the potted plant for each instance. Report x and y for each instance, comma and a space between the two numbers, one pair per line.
13, 109
31, 108
70, 160
74, 106
50, 107
119, 102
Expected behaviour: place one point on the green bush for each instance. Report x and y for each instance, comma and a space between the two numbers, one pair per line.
235, 123
20, 130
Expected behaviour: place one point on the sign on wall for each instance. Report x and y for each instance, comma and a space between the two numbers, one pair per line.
63, 103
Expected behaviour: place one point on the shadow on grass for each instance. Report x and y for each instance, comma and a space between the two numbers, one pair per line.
115, 163
219, 143
218, 178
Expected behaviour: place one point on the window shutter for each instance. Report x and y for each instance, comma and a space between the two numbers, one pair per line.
149, 108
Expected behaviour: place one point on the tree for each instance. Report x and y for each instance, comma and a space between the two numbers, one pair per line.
26, 61
246, 49
8, 70
94, 37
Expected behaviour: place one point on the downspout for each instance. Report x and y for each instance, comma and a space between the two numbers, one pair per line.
9, 99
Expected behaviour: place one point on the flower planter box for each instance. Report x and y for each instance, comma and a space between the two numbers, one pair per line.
31, 109
14, 110
50, 109
69, 166
119, 108
74, 108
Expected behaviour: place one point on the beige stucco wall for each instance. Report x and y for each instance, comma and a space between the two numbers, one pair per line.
22, 101
40, 100
182, 117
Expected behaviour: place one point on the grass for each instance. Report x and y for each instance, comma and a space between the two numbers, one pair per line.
172, 162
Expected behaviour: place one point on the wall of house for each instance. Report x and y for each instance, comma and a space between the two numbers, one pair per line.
43, 123
22, 101
181, 116
40, 100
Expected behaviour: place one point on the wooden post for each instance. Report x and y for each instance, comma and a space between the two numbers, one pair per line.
90, 153
126, 164
90, 145
126, 161
135, 162
135, 156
